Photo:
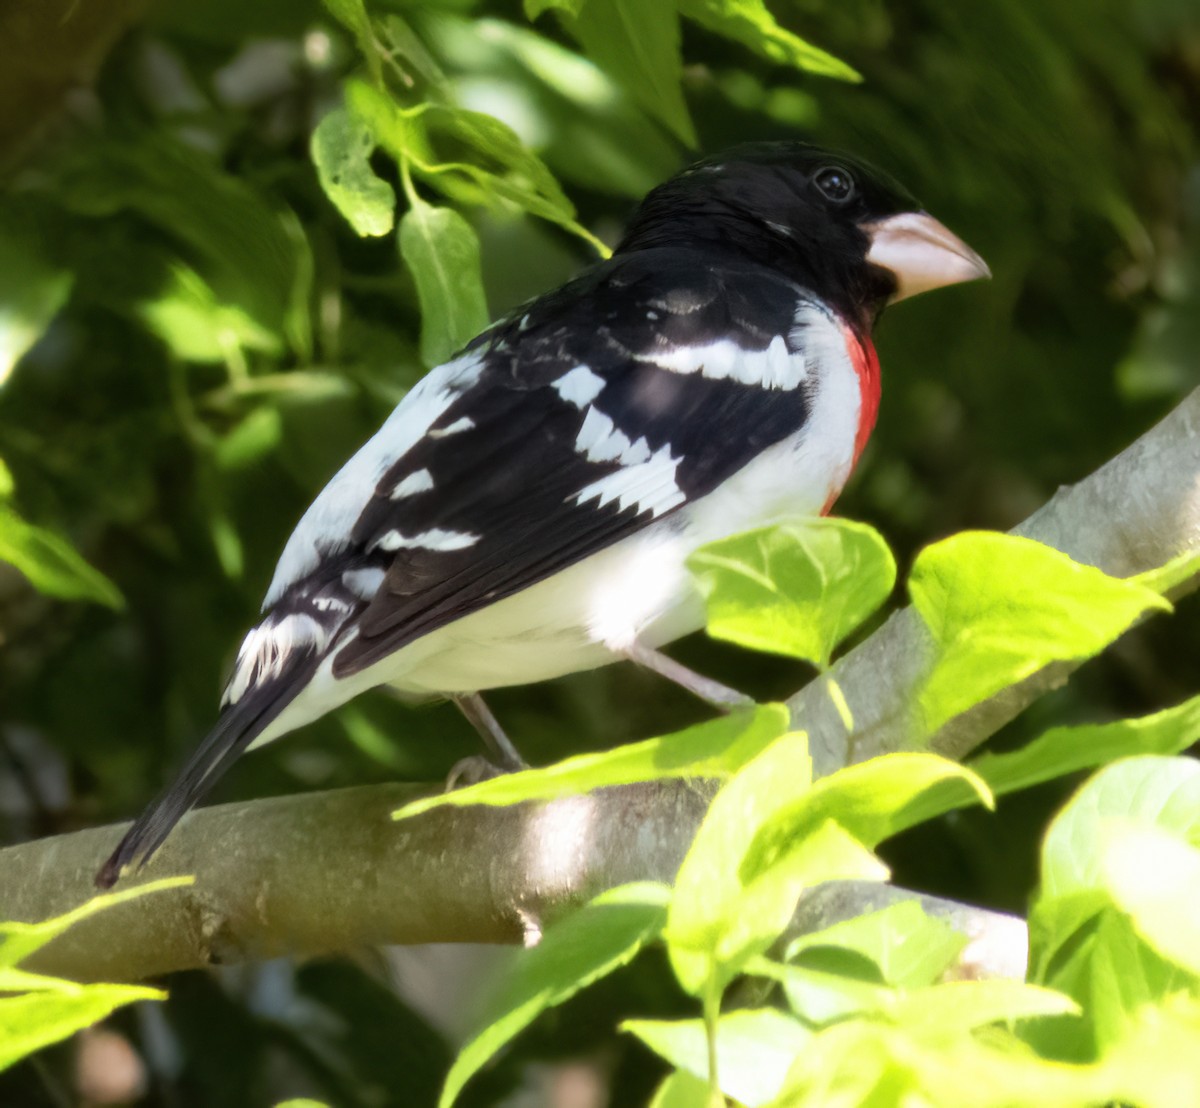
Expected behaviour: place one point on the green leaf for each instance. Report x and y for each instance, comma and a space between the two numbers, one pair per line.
1121, 976
1000, 608
48, 1009
637, 42
341, 150
401, 132
715, 748
965, 1005
32, 1021
253, 439
1154, 1065
1147, 791
1101, 854
525, 176
1178, 571
352, 14
521, 177
750, 23
32, 289
534, 8
1154, 877
1064, 750
723, 912
755, 1050
873, 801
798, 588
251, 254
821, 997
909, 947
681, 1090
762, 911
197, 325
51, 564
590, 943
441, 251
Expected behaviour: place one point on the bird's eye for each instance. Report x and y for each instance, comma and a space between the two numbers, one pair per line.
835, 184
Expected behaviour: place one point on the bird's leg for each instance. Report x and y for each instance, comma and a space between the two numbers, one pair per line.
479, 715
713, 692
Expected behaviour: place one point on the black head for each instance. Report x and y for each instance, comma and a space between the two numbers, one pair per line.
829, 221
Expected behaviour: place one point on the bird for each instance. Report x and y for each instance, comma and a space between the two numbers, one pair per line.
528, 508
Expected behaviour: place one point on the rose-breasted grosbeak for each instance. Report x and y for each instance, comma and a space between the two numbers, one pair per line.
527, 509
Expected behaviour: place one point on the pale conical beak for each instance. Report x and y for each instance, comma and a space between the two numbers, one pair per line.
921, 253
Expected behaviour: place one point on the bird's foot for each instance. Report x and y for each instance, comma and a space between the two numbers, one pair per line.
721, 697
471, 770
505, 757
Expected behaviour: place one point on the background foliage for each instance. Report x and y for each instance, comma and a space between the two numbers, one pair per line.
227, 259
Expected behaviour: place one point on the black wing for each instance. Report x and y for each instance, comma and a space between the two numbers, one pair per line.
516, 480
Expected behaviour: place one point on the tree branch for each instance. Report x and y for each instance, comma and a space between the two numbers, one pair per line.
1134, 514
323, 872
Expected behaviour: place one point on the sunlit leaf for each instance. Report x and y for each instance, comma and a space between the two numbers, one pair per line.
798, 588
34, 1020
755, 1049
590, 943
909, 947
32, 289
1154, 877
873, 801
251, 253
1064, 750
45, 1009
681, 1089
1000, 608
1147, 791
198, 326
724, 911
716, 748
341, 150
1122, 975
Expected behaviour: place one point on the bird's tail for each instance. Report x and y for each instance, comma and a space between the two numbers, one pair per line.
270, 672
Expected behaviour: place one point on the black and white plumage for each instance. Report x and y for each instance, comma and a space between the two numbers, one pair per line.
527, 510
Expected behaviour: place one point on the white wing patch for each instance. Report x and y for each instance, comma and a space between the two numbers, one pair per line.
777, 367
600, 441
457, 427
648, 485
420, 481
579, 386
325, 528
265, 651
434, 539
364, 583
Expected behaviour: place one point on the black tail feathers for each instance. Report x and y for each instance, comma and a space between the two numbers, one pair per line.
238, 726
